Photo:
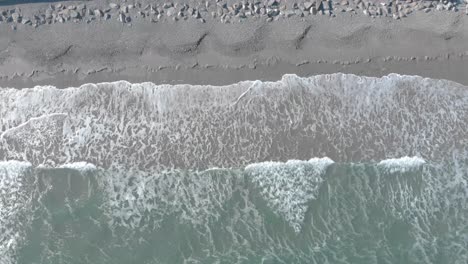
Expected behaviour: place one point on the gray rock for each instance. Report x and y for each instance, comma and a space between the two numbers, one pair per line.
168, 5
171, 11
190, 11
114, 5
124, 9
98, 13
273, 3
128, 19
313, 10
273, 12
122, 18
74, 14
16, 17
107, 16
288, 13
307, 6
71, 7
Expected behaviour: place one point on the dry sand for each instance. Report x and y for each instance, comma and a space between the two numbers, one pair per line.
431, 45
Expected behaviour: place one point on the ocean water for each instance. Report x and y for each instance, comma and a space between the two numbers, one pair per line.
327, 169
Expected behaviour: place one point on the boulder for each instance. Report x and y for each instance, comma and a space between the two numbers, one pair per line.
16, 17
171, 11
168, 5
307, 6
98, 13
114, 5
313, 10
122, 18
74, 14
81, 7
273, 3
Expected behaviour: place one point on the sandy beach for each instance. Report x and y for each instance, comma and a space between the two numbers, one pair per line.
77, 42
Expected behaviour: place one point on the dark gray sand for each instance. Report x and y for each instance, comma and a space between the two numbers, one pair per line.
214, 51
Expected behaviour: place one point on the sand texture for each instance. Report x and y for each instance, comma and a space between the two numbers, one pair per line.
210, 50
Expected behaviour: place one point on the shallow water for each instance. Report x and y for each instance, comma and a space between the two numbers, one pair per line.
327, 169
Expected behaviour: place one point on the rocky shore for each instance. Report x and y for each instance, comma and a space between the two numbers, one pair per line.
225, 11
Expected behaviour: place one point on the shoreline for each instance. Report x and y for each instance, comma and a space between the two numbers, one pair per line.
431, 45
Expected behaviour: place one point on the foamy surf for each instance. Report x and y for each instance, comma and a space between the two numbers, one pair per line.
183, 167
402, 164
13, 203
79, 166
289, 186
342, 116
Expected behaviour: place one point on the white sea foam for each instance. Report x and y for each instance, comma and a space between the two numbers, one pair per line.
13, 200
157, 126
288, 187
79, 166
195, 197
402, 164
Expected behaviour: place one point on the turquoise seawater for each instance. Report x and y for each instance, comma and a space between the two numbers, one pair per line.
320, 212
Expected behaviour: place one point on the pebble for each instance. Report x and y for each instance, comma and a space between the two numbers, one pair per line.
226, 10
122, 18
74, 14
98, 13
307, 6
171, 11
